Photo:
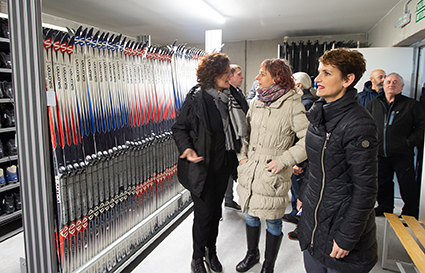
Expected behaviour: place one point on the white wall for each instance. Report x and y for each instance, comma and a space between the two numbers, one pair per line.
390, 59
384, 34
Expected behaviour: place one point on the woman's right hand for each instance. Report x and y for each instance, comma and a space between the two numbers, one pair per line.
191, 156
297, 170
243, 161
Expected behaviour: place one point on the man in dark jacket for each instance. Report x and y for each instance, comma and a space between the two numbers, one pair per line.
401, 123
235, 82
252, 93
373, 87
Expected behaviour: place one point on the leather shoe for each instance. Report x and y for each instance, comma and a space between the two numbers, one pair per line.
232, 205
249, 261
197, 266
293, 235
212, 261
379, 211
289, 218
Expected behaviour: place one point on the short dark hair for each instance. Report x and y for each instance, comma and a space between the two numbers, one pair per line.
281, 72
347, 61
211, 66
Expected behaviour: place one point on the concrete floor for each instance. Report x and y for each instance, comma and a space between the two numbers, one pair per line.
177, 248
174, 253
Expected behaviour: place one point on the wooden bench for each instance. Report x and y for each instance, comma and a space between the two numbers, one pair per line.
409, 243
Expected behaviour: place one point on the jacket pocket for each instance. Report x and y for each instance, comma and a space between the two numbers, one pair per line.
245, 172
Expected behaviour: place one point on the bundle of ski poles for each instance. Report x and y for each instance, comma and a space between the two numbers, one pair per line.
110, 128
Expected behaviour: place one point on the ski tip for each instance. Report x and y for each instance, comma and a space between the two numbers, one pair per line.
90, 32
84, 33
71, 41
58, 36
79, 30
71, 32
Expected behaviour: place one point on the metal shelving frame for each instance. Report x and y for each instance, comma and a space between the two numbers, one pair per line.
26, 41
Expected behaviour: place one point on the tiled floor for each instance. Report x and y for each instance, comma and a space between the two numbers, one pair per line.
173, 255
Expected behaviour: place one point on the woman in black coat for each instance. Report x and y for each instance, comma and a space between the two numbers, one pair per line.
208, 135
337, 231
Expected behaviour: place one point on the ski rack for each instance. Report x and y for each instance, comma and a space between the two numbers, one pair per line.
96, 264
114, 157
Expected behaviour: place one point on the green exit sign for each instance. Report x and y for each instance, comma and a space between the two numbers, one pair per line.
420, 10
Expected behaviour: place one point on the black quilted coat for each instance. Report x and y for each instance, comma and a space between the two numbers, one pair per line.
340, 193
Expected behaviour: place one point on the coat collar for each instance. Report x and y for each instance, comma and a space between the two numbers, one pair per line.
329, 114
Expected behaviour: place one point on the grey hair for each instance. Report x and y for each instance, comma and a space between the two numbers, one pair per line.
303, 78
233, 68
398, 75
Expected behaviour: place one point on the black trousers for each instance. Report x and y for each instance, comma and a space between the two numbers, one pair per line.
207, 211
403, 166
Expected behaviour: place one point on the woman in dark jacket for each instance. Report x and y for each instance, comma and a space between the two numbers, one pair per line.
337, 229
208, 135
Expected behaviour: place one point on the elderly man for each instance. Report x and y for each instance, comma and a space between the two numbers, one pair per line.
401, 123
373, 87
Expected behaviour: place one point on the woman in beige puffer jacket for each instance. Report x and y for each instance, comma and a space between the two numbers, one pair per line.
276, 119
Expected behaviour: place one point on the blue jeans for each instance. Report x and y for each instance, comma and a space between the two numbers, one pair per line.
296, 180
273, 226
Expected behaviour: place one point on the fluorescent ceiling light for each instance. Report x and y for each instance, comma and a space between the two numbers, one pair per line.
54, 27
202, 9
214, 13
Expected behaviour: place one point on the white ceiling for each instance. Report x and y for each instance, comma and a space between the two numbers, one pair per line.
186, 21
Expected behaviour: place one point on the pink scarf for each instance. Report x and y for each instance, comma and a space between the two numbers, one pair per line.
270, 94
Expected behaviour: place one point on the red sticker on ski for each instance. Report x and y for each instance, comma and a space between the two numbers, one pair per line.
78, 225
85, 222
72, 229
64, 233
47, 43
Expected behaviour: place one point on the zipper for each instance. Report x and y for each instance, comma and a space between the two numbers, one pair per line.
328, 135
388, 120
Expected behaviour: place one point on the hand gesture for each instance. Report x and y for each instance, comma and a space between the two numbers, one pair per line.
191, 156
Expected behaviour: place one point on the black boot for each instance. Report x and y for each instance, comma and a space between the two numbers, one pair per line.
8, 204
197, 266
272, 248
253, 254
212, 261
18, 204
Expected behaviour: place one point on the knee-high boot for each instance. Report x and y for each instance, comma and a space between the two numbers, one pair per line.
272, 249
253, 254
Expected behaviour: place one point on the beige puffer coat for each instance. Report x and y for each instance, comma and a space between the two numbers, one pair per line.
272, 134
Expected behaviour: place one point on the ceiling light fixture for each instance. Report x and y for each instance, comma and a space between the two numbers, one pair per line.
54, 27
202, 9
214, 13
